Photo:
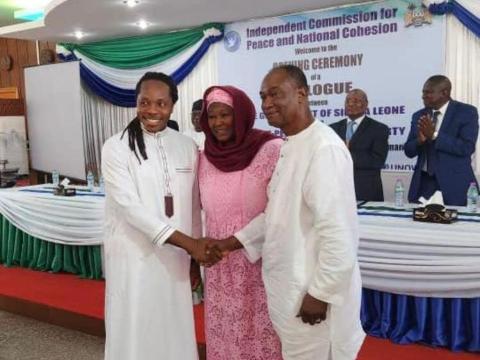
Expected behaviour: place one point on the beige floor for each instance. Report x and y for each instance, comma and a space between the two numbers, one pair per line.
26, 339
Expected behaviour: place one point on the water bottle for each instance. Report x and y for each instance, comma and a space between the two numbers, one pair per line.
399, 193
55, 178
101, 184
472, 197
90, 181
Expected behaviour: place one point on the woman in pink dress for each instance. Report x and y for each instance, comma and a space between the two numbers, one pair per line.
234, 172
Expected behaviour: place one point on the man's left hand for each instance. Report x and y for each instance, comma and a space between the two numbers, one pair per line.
312, 311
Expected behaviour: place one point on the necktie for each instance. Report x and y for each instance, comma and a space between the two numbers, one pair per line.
351, 127
435, 116
431, 155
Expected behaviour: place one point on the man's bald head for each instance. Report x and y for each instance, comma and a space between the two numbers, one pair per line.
293, 73
358, 92
441, 82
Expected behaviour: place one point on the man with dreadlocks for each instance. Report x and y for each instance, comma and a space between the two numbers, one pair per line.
152, 218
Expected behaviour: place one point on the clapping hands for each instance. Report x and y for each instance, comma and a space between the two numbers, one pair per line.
426, 128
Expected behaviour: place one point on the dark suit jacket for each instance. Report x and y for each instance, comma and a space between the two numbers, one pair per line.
369, 149
454, 146
172, 124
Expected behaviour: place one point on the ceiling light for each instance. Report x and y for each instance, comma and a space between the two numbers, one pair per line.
79, 34
28, 14
142, 24
131, 3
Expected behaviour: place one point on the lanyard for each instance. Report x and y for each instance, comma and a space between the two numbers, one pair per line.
168, 198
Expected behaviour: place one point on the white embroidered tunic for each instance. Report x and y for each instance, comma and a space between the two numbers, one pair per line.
149, 312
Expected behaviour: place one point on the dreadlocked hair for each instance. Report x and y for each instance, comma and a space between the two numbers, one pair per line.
135, 136
135, 133
158, 76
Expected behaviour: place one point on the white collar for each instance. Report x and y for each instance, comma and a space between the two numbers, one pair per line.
443, 109
357, 121
300, 135
156, 135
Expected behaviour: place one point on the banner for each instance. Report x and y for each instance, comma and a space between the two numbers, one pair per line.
388, 49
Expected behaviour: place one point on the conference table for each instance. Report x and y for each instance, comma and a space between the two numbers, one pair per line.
45, 232
421, 281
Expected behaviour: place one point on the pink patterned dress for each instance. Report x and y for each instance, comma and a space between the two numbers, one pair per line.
237, 325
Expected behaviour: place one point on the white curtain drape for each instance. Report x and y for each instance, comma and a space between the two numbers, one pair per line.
102, 119
463, 69
193, 86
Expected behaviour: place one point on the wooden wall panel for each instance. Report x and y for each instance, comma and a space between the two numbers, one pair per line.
11, 107
47, 45
15, 70
4, 75
23, 54
9, 93
22, 62
32, 53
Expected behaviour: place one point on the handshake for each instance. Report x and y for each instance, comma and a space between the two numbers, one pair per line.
208, 251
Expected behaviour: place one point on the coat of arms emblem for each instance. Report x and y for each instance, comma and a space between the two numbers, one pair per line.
417, 15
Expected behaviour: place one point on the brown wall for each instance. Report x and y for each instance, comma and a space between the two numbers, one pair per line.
23, 53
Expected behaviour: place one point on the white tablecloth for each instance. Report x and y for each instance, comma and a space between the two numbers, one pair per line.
396, 254
74, 220
402, 256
